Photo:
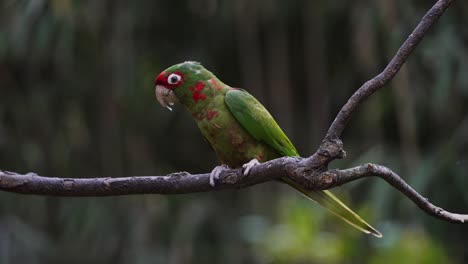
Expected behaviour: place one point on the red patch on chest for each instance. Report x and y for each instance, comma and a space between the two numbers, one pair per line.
208, 115
215, 84
211, 114
197, 95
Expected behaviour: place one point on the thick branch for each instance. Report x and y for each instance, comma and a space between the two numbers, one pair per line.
183, 182
176, 183
368, 88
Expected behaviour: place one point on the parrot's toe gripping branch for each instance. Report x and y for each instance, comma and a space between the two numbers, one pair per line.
249, 165
214, 175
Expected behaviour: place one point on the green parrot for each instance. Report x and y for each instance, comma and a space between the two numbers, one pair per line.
239, 128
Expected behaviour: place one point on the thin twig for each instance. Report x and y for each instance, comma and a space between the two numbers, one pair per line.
367, 170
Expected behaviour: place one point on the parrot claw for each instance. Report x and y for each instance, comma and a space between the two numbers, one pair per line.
214, 175
249, 165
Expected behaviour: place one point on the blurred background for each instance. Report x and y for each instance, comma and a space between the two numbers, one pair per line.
77, 100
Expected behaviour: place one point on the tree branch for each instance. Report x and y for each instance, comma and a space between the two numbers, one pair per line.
368, 88
175, 183
311, 172
366, 170
183, 182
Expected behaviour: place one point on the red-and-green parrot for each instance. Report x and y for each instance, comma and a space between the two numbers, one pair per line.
239, 128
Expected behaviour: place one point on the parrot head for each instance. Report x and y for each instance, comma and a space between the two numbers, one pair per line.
182, 82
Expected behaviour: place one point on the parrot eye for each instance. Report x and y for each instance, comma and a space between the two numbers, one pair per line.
173, 78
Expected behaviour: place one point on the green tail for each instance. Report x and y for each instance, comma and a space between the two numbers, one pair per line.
337, 207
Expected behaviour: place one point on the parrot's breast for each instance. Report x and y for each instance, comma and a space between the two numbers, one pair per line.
233, 145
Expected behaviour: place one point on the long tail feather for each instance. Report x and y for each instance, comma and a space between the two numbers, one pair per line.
337, 207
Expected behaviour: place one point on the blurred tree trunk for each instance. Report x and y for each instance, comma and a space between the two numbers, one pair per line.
116, 65
317, 109
249, 47
403, 97
277, 67
365, 52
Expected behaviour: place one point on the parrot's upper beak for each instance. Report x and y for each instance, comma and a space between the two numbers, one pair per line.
165, 96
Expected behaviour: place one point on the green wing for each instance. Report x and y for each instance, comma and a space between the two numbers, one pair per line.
254, 118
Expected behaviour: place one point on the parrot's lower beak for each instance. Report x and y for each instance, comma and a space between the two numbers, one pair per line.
165, 96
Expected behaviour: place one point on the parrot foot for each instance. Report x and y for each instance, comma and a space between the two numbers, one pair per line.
249, 165
214, 175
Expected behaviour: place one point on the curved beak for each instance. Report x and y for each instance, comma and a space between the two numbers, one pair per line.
165, 96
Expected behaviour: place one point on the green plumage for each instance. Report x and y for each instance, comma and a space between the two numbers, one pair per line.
254, 118
239, 129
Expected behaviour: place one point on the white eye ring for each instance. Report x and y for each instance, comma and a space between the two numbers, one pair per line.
173, 78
